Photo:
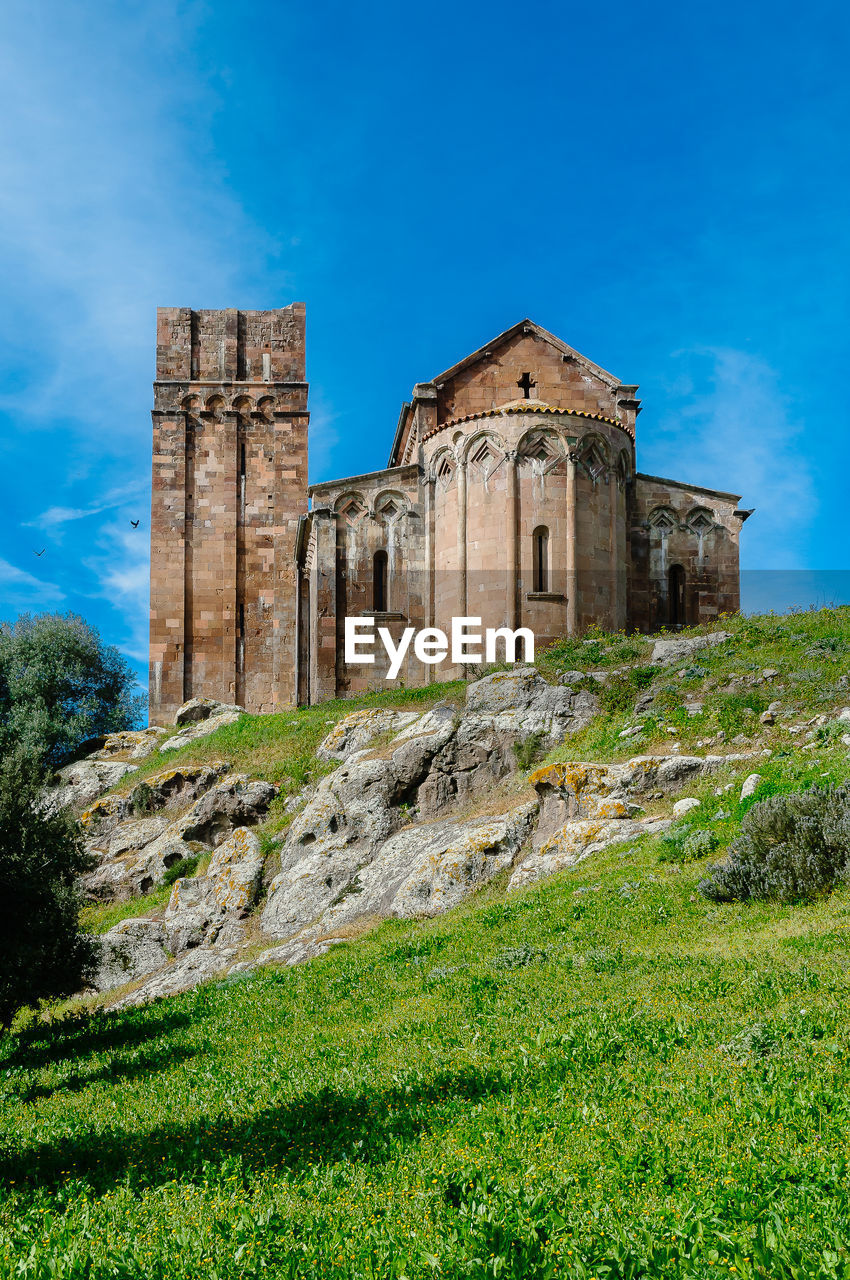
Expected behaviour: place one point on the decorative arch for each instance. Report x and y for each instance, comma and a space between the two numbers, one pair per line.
191, 404
593, 455
265, 406
389, 505
484, 454
663, 519
351, 505
243, 404
215, 406
443, 467
542, 448
700, 520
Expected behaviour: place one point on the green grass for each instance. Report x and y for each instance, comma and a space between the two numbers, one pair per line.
604, 1075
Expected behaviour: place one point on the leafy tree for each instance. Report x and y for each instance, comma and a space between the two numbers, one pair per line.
43, 954
60, 685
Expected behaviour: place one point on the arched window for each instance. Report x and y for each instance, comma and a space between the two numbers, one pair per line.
540, 545
379, 582
676, 596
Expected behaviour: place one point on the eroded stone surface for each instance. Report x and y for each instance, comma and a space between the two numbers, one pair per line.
676, 648
354, 732
128, 951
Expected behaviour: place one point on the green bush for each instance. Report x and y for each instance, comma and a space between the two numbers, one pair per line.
621, 690
792, 847
683, 844
43, 954
60, 685
530, 749
182, 870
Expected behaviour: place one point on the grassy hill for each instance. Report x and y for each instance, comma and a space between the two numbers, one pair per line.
605, 1075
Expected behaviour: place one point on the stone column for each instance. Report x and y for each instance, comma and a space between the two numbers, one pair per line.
461, 537
572, 532
512, 539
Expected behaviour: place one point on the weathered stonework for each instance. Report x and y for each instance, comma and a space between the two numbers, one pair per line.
229, 484
511, 495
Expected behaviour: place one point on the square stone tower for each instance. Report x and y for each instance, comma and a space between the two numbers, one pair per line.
229, 485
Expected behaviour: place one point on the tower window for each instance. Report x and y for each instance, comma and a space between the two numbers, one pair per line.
379, 582
540, 544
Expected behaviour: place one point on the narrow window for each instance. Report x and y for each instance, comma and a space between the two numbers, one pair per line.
242, 461
676, 596
540, 575
379, 582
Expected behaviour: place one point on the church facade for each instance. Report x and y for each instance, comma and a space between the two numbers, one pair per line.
511, 496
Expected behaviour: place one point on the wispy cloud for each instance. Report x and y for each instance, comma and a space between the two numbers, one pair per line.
55, 516
22, 590
734, 430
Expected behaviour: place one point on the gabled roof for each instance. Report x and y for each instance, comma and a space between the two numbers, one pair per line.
525, 326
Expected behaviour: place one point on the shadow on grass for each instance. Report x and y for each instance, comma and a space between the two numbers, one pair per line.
324, 1127
83, 1034
140, 1064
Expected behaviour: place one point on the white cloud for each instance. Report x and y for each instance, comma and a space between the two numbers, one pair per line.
735, 431
55, 516
22, 590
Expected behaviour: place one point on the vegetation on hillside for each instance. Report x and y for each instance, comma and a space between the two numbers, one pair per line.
60, 685
43, 952
606, 1075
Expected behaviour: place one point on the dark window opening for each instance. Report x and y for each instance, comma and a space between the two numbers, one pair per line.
379, 582
525, 383
676, 596
242, 462
540, 575
241, 620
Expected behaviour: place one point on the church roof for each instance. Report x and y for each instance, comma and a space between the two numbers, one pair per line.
525, 326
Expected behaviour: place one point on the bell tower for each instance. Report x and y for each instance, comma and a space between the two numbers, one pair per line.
229, 485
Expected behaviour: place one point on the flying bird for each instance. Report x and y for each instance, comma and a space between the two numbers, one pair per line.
41, 552
134, 523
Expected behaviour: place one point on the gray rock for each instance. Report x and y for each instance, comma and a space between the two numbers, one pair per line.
750, 785
198, 709
681, 807
575, 841
354, 732
80, 783
232, 802
202, 729
676, 648
128, 951
520, 702
200, 905
187, 971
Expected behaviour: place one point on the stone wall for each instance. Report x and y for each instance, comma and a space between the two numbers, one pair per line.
684, 530
229, 484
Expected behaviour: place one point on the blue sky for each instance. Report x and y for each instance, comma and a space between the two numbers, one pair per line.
664, 186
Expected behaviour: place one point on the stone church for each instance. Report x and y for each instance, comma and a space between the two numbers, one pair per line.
511, 494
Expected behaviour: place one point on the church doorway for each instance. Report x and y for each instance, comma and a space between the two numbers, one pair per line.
676, 597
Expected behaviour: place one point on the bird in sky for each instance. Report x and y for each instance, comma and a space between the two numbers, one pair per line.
134, 523
41, 552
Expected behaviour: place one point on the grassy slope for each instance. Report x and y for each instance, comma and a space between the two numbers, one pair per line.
533, 1085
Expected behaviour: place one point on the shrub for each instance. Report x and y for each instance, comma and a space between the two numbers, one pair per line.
791, 848
686, 845
43, 954
60, 685
182, 870
620, 691
529, 750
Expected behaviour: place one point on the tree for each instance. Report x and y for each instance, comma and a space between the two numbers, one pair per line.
61, 685
43, 953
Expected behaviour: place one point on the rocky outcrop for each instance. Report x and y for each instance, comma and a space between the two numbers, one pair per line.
200, 906
134, 853
79, 783
437, 762
676, 648
356, 731
575, 841
187, 971
198, 718
130, 950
